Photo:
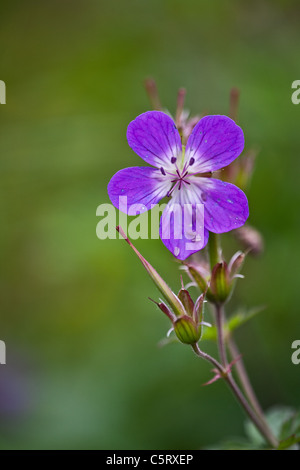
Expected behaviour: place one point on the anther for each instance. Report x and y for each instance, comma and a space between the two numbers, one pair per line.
192, 161
173, 159
162, 171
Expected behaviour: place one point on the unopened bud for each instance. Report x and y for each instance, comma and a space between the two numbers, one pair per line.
250, 239
220, 284
245, 168
186, 330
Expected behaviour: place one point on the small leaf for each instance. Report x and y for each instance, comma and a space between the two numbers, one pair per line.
234, 444
288, 443
209, 334
238, 319
291, 426
275, 418
235, 321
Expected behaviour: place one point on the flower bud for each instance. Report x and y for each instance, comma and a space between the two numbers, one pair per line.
220, 284
187, 330
250, 239
245, 169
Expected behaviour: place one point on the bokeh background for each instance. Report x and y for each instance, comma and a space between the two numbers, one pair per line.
83, 367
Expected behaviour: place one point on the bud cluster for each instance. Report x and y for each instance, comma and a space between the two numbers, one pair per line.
218, 284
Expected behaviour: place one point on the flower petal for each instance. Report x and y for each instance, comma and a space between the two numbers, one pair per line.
182, 225
155, 138
214, 143
141, 185
225, 205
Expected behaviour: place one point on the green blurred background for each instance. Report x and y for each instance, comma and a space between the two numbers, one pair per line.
83, 367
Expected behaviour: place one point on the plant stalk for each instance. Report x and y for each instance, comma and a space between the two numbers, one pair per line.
214, 249
264, 430
220, 314
243, 376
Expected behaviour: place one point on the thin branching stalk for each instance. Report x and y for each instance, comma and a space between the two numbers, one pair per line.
264, 430
220, 330
243, 375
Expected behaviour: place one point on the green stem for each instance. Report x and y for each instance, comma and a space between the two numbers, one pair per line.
214, 249
220, 314
245, 381
243, 377
264, 430
254, 412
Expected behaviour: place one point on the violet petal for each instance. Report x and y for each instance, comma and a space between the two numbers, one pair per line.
214, 143
141, 185
183, 235
225, 205
154, 137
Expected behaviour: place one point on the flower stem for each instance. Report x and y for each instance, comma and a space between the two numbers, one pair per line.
208, 358
220, 331
245, 381
261, 425
264, 430
243, 377
214, 249
254, 410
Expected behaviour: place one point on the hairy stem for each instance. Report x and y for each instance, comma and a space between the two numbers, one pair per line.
220, 330
214, 249
254, 412
260, 424
243, 376
208, 358
263, 429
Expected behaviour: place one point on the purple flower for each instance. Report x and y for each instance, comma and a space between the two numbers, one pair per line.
183, 174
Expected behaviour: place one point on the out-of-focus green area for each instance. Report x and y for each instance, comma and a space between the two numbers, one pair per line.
83, 367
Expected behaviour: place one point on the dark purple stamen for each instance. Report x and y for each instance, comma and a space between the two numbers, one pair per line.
173, 159
163, 171
192, 161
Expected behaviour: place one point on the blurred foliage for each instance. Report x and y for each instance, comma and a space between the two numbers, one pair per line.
285, 424
84, 370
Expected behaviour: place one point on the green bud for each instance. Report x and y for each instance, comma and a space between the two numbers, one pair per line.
186, 330
220, 284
